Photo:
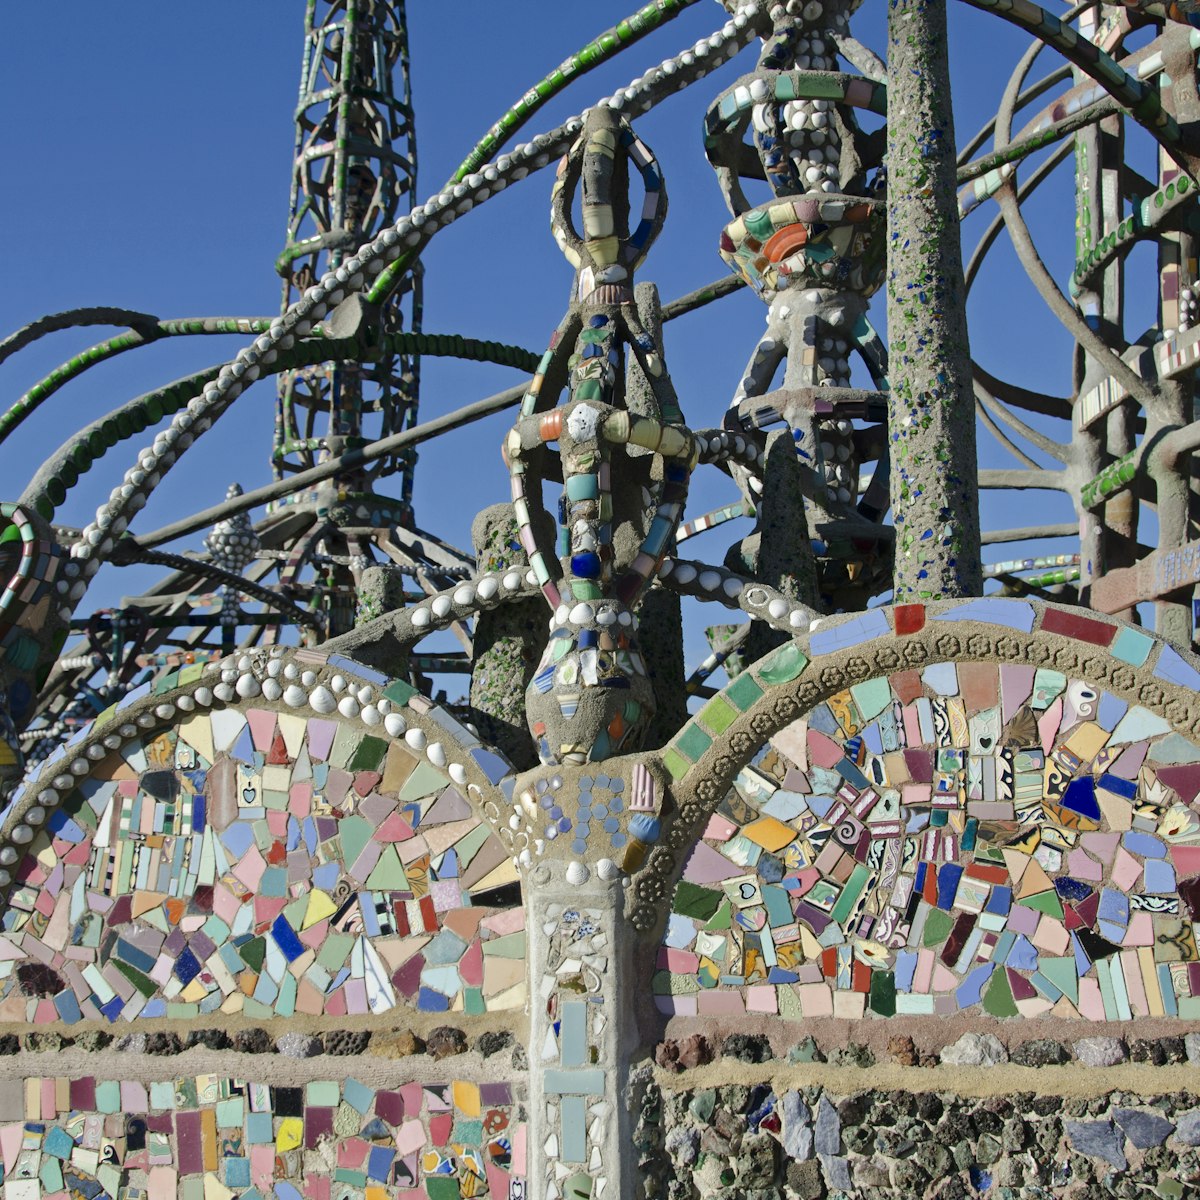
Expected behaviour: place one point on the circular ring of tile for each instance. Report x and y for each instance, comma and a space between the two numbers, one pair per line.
303, 682
706, 755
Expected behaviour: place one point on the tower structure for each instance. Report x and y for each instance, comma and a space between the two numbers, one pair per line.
354, 170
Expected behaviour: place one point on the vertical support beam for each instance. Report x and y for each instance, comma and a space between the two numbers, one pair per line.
931, 410
581, 1035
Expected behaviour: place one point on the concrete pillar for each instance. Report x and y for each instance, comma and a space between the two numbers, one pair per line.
581, 1036
931, 410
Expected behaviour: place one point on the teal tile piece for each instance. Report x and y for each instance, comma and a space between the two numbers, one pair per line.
574, 1129
108, 1096
1136, 725
574, 1083
572, 1035
693, 741
872, 697
358, 1095
1132, 647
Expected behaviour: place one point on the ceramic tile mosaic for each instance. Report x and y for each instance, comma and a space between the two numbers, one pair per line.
210, 1137
963, 837
266, 864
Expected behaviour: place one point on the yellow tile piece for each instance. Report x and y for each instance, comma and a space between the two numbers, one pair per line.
290, 1135
1145, 956
214, 1189
208, 1138
769, 833
1087, 741
466, 1098
398, 768
143, 902
319, 907
1034, 880
196, 731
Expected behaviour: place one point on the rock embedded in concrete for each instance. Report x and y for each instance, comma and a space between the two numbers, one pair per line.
1143, 1129
975, 1050
797, 1126
1187, 1132
299, 1045
1042, 1052
1097, 1139
1100, 1051
828, 1128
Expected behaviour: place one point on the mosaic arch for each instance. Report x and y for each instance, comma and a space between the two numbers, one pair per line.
988, 806
293, 835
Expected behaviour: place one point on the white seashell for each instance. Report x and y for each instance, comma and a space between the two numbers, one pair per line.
322, 700
247, 686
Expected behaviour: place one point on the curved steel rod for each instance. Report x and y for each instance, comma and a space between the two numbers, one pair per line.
41, 391
333, 466
70, 319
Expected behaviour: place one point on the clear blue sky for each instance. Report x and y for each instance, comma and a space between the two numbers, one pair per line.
148, 166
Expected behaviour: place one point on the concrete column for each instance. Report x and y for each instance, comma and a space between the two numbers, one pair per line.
931, 410
582, 1031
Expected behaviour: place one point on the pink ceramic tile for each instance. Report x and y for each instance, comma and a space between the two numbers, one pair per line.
719, 828
1140, 931
1102, 845
1081, 866
1126, 870
762, 999
1048, 724
1091, 1003
1134, 986
718, 1003
815, 999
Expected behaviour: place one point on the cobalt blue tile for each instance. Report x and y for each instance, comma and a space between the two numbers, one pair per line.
286, 939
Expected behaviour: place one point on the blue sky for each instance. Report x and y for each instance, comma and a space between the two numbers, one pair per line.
149, 168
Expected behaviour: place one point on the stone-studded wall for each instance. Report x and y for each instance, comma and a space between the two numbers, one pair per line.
1101, 1116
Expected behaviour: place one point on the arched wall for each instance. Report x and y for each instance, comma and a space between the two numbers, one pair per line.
273, 859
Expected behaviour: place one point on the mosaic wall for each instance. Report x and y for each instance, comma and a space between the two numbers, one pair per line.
964, 837
210, 1137
266, 864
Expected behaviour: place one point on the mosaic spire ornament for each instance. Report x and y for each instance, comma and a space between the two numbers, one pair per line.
590, 696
